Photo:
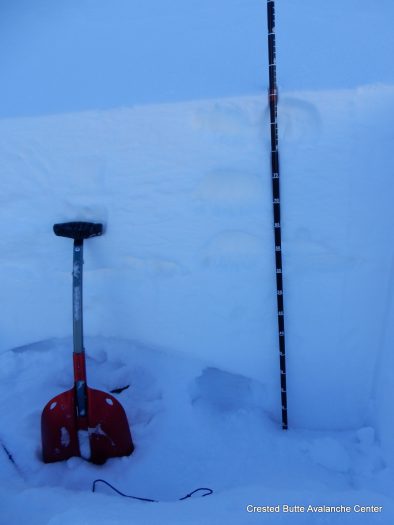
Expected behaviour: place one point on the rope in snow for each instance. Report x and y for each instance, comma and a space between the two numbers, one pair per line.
208, 492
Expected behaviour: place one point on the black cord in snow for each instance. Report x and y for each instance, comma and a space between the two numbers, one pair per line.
119, 390
11, 458
208, 492
9, 455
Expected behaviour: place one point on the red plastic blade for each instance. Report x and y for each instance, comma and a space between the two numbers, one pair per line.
58, 428
109, 431
107, 426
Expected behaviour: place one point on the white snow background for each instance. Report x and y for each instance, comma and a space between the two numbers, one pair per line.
152, 118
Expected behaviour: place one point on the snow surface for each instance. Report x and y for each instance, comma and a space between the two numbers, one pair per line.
153, 119
194, 425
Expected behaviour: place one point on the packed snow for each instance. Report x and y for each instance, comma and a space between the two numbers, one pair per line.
153, 120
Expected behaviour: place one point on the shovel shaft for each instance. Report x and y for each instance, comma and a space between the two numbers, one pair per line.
77, 296
80, 387
79, 353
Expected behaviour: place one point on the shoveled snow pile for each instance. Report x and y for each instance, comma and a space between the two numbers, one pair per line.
179, 292
193, 425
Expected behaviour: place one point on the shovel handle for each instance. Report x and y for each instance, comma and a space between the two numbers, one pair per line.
80, 386
77, 296
79, 352
79, 367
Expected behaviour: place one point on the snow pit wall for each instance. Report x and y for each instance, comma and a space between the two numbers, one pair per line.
186, 262
384, 379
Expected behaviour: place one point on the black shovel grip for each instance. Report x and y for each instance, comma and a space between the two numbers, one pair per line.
78, 230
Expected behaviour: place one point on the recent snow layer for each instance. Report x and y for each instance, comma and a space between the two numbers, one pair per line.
185, 269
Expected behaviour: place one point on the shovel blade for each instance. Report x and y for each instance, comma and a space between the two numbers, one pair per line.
106, 424
109, 431
59, 433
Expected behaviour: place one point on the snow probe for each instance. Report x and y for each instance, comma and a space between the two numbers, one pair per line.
83, 421
273, 105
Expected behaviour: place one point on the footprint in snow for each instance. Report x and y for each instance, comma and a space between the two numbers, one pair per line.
299, 121
224, 392
331, 454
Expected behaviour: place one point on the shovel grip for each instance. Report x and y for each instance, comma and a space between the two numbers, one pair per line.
78, 230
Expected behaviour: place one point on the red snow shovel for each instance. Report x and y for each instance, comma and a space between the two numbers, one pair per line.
83, 421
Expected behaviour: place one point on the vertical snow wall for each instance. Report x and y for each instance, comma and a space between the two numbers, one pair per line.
187, 260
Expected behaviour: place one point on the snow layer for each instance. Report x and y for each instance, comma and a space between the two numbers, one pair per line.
186, 262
